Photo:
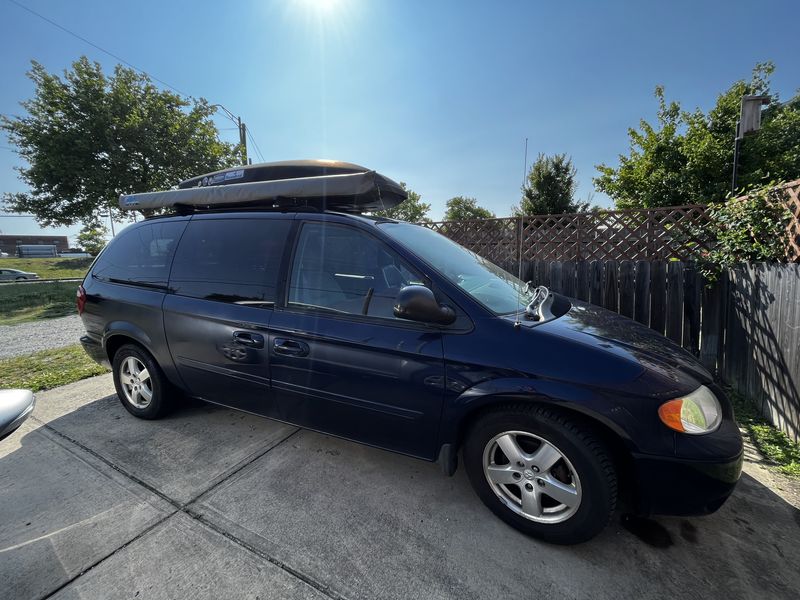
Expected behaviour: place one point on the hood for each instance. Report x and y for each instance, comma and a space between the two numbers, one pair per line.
666, 368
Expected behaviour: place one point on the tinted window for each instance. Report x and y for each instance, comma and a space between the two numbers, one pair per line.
140, 255
230, 260
345, 270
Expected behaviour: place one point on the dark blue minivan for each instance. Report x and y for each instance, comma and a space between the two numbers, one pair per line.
390, 334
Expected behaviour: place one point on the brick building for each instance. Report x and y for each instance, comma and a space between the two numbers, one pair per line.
9, 243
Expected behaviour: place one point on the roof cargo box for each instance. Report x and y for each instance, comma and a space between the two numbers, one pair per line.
322, 184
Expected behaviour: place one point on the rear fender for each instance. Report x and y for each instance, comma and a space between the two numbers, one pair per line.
126, 329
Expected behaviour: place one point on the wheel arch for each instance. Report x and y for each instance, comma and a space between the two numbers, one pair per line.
618, 443
118, 334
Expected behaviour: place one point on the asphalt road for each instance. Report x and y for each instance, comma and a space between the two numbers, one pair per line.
210, 503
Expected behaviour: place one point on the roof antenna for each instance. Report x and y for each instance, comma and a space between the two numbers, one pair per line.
517, 322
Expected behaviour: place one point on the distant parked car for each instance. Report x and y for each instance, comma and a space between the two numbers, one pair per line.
16, 275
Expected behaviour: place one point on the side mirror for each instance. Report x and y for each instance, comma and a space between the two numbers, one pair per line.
417, 303
15, 407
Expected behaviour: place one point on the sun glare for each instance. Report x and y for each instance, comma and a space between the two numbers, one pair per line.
322, 5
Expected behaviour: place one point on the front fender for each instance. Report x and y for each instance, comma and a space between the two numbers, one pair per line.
591, 403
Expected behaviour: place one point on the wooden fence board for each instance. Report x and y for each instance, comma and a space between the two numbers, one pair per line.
711, 336
642, 293
596, 283
658, 295
691, 308
610, 289
568, 279
627, 288
582, 291
555, 276
674, 307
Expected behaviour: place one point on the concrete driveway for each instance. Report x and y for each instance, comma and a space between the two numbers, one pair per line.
211, 503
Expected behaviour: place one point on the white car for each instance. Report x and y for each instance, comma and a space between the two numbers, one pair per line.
16, 275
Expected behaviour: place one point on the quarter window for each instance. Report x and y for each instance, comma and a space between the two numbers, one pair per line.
142, 254
343, 270
230, 260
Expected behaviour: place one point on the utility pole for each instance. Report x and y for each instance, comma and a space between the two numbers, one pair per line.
242, 130
242, 139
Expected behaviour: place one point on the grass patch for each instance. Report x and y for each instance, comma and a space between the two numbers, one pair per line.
49, 268
22, 302
48, 369
770, 441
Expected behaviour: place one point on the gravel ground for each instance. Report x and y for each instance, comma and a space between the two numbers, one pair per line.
25, 338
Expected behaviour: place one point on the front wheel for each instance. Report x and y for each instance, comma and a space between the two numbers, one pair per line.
542, 473
141, 386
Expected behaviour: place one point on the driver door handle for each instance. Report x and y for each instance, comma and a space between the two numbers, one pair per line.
245, 338
290, 347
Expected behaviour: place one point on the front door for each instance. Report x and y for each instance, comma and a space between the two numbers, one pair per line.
340, 361
223, 290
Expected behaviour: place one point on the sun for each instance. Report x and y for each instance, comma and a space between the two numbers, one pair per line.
322, 5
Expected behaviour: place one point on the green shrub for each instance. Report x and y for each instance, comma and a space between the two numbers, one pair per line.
751, 228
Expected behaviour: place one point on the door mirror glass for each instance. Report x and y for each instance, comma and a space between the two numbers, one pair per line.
417, 303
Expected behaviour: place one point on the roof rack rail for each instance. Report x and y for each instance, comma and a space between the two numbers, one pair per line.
292, 185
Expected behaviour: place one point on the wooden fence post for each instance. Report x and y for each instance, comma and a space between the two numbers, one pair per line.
658, 295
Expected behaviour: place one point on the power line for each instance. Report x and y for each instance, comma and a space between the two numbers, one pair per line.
252, 139
122, 60
93, 45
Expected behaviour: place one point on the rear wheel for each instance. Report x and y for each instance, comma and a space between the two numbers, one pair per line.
542, 472
141, 386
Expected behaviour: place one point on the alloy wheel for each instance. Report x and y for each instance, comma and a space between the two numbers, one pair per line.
532, 477
136, 383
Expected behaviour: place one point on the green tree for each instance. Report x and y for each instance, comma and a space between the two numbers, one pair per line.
460, 208
412, 209
687, 157
550, 187
92, 238
88, 137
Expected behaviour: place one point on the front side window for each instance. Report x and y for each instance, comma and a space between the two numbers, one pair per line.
230, 260
496, 289
142, 254
341, 269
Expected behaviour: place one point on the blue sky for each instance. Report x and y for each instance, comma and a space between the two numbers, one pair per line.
440, 94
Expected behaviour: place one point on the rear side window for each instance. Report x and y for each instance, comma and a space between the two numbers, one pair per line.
230, 260
140, 255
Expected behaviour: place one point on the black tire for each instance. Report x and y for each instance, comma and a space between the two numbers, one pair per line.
21, 278
589, 458
161, 397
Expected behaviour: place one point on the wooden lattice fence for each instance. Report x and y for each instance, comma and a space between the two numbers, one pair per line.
671, 233
792, 198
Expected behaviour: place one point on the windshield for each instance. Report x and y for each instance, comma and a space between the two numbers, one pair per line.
496, 289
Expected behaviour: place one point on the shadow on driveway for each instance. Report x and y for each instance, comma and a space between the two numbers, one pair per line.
211, 503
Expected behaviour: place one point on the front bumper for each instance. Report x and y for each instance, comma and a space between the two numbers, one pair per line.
683, 487
95, 351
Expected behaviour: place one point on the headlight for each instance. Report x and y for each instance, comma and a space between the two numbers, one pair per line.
695, 413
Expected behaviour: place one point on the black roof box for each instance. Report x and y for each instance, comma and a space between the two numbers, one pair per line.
322, 184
